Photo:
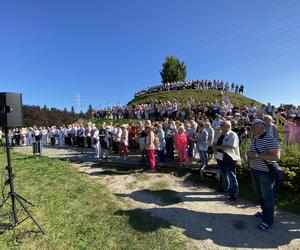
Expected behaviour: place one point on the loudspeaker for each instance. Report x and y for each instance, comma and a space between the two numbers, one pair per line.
11, 110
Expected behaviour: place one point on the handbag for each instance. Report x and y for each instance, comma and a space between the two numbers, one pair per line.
276, 171
274, 167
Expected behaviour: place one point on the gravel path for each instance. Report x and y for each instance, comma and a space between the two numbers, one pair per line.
205, 217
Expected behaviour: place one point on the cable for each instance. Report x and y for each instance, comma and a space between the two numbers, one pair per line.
230, 33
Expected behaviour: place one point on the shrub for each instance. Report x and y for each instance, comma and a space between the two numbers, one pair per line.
290, 162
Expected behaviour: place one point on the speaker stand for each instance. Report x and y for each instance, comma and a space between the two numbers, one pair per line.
15, 198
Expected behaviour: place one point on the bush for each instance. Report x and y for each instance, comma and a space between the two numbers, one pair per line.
290, 162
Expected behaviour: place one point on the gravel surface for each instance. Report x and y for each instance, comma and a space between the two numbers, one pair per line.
205, 217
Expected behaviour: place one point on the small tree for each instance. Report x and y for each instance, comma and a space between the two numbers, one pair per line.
89, 112
72, 110
173, 70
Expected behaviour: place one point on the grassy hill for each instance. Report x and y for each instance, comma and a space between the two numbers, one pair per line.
199, 95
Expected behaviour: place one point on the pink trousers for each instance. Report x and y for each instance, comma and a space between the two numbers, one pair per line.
151, 154
182, 153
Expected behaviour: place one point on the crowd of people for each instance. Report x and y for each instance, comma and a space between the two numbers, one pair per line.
200, 133
193, 84
159, 110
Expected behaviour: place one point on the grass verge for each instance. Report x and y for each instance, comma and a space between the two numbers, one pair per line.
78, 213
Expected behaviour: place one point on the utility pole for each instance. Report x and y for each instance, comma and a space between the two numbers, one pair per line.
77, 103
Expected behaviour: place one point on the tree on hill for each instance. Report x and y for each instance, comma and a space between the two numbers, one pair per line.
89, 112
173, 70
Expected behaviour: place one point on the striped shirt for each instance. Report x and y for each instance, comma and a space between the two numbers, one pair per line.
263, 146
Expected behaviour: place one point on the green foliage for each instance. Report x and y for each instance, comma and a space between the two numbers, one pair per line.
173, 70
35, 115
89, 112
290, 162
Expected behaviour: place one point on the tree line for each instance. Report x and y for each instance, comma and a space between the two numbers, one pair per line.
43, 116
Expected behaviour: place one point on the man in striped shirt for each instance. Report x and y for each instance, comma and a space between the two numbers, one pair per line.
264, 150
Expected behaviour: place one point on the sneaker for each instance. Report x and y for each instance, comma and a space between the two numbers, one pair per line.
125, 158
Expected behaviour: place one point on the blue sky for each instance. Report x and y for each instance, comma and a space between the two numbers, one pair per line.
107, 50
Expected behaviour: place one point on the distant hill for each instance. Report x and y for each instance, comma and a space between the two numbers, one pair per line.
198, 95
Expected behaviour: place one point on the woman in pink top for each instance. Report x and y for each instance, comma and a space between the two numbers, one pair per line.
295, 131
151, 147
182, 145
287, 129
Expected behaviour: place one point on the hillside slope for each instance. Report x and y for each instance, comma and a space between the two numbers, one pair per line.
203, 96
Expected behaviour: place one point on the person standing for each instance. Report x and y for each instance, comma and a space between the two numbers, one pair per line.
56, 136
44, 136
160, 134
80, 134
226, 149
202, 144
182, 146
211, 136
151, 147
124, 142
61, 137
96, 141
142, 141
264, 150
30, 134
294, 136
88, 133
271, 128
104, 140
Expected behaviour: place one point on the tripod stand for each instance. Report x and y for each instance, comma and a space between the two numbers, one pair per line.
15, 198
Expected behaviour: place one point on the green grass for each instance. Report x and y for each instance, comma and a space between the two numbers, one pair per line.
200, 95
79, 213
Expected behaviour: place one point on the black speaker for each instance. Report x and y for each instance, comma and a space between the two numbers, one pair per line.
11, 110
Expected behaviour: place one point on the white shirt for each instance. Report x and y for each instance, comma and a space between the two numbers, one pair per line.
231, 139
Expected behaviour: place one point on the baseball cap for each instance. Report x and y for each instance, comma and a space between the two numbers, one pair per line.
258, 122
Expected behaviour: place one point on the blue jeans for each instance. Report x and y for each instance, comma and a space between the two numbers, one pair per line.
264, 187
203, 157
161, 155
228, 175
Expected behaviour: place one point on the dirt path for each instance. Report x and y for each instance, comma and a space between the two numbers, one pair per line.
204, 216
